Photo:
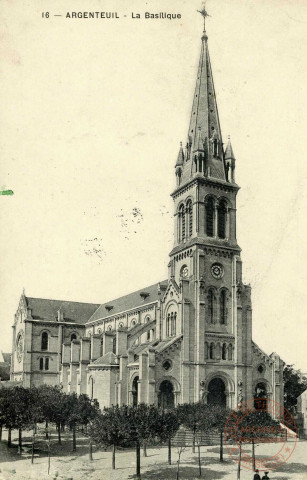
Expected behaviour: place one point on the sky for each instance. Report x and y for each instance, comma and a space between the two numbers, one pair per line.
92, 113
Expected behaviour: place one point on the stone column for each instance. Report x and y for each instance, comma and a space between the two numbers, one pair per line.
143, 376
95, 347
123, 381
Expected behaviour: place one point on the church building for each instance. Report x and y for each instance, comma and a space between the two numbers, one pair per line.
184, 339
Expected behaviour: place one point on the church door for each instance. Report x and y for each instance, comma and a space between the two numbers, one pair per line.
216, 392
166, 395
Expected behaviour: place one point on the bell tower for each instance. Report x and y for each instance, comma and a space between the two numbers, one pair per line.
205, 260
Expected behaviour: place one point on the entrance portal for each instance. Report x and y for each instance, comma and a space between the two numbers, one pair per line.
216, 392
166, 395
260, 396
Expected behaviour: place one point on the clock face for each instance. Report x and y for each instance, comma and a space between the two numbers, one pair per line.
19, 347
217, 270
185, 272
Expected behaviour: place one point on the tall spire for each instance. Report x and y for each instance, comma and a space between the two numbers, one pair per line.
204, 143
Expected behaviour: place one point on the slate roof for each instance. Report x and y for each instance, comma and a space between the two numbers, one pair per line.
107, 359
128, 302
46, 309
166, 343
6, 357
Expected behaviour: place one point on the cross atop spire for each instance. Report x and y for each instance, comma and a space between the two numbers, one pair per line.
204, 14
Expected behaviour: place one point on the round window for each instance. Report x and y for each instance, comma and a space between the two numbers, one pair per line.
167, 365
261, 368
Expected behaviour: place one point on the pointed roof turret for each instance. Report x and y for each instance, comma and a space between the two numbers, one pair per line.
180, 158
204, 134
229, 155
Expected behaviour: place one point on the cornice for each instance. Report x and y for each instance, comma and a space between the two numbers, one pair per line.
211, 182
210, 248
131, 311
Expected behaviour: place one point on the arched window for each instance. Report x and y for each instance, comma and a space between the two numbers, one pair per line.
181, 223
221, 219
41, 364
210, 217
44, 344
230, 351
224, 352
168, 324
73, 337
211, 306
114, 345
223, 307
206, 351
211, 351
174, 321
46, 363
190, 218
148, 336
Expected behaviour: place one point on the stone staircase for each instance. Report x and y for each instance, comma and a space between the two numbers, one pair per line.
184, 437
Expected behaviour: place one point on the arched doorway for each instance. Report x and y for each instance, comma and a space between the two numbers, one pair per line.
216, 392
135, 389
260, 396
166, 395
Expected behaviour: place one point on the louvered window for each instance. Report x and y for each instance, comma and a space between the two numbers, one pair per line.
210, 217
222, 215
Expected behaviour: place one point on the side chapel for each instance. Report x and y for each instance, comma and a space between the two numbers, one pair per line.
184, 339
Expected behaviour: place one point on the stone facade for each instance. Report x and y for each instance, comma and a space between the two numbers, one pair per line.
185, 339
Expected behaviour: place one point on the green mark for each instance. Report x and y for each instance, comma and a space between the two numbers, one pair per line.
6, 192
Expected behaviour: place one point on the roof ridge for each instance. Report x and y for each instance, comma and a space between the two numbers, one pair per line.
59, 300
127, 295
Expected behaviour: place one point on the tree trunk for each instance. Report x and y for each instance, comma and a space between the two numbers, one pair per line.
33, 441
144, 449
193, 445
221, 446
199, 462
20, 440
48, 459
253, 454
178, 464
74, 442
9, 438
169, 451
113, 456
239, 464
0, 433
47, 430
138, 460
91, 449
59, 435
